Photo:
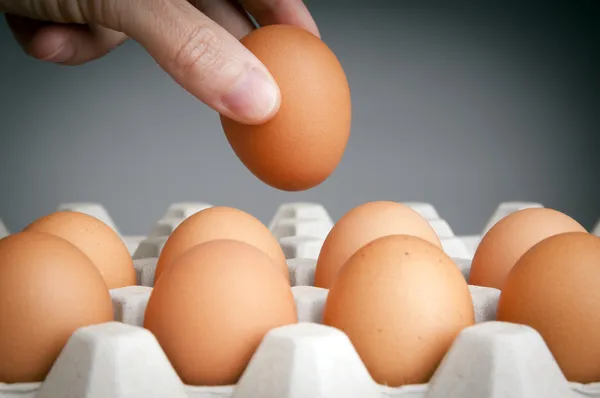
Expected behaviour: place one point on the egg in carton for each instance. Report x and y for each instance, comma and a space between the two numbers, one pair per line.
308, 359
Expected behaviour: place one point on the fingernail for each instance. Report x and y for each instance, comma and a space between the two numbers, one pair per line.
64, 53
254, 97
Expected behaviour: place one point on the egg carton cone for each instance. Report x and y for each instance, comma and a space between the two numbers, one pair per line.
301, 246
312, 227
471, 242
184, 210
175, 214
455, 247
301, 228
3, 230
302, 211
441, 228
145, 268
150, 247
165, 226
426, 210
133, 242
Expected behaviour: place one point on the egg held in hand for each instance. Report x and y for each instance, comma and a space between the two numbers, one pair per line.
304, 142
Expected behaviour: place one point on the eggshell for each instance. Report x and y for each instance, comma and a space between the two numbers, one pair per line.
554, 289
96, 239
211, 309
48, 289
305, 141
362, 225
510, 238
220, 222
402, 302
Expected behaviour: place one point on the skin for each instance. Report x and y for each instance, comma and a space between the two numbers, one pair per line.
195, 41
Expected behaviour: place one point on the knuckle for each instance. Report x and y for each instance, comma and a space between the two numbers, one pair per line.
86, 11
70, 11
201, 52
109, 13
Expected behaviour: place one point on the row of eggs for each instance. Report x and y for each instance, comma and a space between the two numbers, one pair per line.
222, 282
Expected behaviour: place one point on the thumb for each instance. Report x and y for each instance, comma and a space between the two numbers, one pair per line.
200, 55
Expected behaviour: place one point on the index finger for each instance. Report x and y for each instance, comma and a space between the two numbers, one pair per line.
289, 12
202, 56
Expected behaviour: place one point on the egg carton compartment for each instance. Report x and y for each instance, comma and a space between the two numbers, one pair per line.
310, 227
130, 301
471, 243
301, 246
165, 227
455, 247
441, 228
122, 359
300, 210
309, 221
150, 247
133, 243
175, 214
145, 268
301, 229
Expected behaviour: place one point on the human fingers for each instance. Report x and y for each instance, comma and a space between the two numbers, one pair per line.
198, 53
227, 13
74, 44
291, 12
23, 29
201, 56
68, 44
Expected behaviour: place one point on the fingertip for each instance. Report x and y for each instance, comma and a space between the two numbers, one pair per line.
254, 98
315, 31
51, 45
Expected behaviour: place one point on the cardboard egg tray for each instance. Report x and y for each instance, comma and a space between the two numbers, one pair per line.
306, 360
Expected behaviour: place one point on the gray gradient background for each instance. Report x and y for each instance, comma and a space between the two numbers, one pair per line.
463, 106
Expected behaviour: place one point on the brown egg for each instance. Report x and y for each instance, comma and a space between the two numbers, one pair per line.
96, 239
554, 289
305, 141
402, 301
220, 222
48, 289
211, 309
510, 238
362, 225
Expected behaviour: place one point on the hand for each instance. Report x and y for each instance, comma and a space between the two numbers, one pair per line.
195, 41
